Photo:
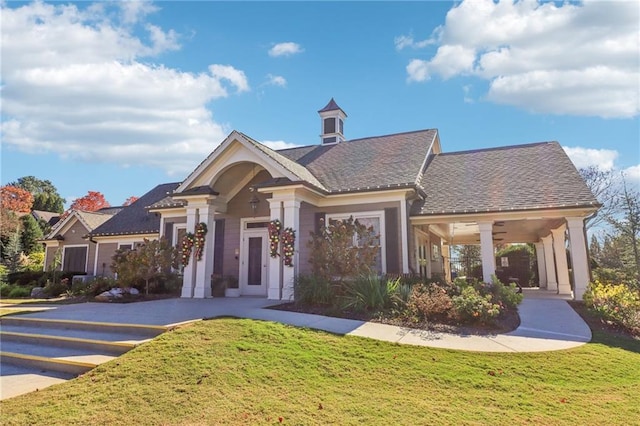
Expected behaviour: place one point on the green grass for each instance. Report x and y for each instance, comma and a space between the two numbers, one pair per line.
235, 371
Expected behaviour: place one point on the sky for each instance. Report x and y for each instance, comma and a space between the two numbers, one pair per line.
118, 97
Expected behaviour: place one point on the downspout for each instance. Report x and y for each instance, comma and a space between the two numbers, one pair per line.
586, 241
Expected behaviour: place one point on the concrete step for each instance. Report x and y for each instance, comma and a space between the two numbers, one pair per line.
107, 327
63, 347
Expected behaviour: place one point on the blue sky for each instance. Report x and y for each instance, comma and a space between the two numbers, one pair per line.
119, 97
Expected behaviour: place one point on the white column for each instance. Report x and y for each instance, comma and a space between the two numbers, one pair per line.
486, 250
549, 263
292, 220
404, 238
275, 264
579, 257
204, 267
542, 271
562, 268
189, 273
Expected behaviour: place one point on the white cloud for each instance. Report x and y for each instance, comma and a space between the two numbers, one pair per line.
632, 174
234, 76
276, 80
403, 41
603, 159
418, 70
279, 144
576, 59
285, 49
74, 84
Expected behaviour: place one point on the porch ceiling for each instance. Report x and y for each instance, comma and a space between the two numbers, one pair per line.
507, 231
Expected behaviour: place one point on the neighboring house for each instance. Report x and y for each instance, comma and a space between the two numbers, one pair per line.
50, 218
418, 199
69, 236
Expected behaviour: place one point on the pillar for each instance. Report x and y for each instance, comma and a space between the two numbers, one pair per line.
562, 268
275, 263
579, 257
486, 250
542, 271
188, 278
204, 267
549, 263
291, 220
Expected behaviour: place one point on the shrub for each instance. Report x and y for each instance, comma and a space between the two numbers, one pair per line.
471, 306
20, 292
430, 302
5, 289
369, 293
99, 285
616, 303
55, 289
313, 290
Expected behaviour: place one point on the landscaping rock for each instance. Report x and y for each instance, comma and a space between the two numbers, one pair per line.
133, 291
38, 293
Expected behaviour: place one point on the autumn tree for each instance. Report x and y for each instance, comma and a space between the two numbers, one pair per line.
130, 200
45, 194
15, 199
91, 202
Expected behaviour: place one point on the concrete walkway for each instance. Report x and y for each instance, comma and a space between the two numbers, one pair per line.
548, 323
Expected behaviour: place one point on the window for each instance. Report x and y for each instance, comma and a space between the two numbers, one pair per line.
75, 259
329, 140
376, 221
329, 125
341, 127
125, 246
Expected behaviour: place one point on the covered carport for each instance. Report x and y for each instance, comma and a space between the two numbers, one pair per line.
517, 194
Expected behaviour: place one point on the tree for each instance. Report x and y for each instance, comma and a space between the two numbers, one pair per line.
130, 200
595, 251
13, 253
90, 203
627, 227
15, 199
45, 195
30, 235
147, 262
335, 253
604, 187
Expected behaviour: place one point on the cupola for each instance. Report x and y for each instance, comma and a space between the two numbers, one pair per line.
332, 123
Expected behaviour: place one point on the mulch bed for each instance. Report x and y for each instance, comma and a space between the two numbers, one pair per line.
506, 323
596, 323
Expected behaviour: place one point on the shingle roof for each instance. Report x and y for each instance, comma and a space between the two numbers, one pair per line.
533, 176
366, 164
90, 220
331, 106
136, 219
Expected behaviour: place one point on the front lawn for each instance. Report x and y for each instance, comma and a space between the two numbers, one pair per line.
236, 371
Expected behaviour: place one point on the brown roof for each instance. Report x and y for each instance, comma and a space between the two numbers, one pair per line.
331, 106
533, 176
366, 164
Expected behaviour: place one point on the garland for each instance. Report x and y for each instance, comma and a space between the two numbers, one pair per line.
288, 244
274, 237
187, 245
201, 231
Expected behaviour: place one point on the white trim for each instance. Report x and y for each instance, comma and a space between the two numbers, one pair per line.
174, 236
368, 214
242, 273
64, 253
95, 259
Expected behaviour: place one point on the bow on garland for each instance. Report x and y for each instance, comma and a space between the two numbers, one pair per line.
274, 237
201, 231
288, 243
187, 245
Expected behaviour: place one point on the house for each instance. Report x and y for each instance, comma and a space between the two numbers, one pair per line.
50, 218
419, 199
68, 239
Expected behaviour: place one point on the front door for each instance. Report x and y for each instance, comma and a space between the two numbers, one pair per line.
253, 277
